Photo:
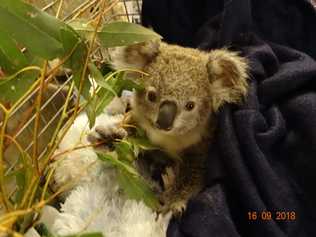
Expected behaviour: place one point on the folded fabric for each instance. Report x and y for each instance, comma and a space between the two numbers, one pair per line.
262, 165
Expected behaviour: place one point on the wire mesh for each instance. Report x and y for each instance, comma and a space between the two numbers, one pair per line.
21, 122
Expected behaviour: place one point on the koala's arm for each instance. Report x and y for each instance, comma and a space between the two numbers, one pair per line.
111, 125
182, 182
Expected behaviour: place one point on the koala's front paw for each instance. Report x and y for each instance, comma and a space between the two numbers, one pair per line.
171, 203
178, 207
107, 132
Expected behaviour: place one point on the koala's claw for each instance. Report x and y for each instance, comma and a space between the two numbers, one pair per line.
107, 134
111, 133
177, 207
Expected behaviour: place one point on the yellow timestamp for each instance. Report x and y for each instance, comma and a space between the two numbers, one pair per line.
268, 215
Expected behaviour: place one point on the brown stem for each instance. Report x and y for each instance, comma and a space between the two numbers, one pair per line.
37, 119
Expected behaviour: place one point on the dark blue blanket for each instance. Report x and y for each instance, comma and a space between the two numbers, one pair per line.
262, 167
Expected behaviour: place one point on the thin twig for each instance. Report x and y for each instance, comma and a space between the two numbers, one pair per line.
29, 191
82, 10
49, 176
77, 148
18, 146
38, 206
53, 144
3, 190
9, 231
37, 119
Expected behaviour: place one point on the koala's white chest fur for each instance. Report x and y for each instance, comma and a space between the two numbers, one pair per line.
172, 144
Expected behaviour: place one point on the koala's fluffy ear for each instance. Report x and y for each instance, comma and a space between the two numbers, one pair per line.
228, 77
134, 56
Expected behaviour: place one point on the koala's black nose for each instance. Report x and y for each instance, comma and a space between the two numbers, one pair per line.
166, 116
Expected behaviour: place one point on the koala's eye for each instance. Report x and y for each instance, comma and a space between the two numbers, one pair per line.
190, 105
152, 96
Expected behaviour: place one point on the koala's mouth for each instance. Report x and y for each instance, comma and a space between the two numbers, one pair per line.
164, 129
173, 131
157, 127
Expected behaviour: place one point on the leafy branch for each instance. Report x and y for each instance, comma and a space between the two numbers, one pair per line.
29, 40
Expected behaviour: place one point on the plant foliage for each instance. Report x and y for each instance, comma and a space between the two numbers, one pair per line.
29, 40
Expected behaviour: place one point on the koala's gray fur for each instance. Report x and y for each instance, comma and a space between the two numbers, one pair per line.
184, 88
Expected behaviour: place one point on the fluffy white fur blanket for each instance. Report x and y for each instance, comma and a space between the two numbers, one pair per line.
95, 203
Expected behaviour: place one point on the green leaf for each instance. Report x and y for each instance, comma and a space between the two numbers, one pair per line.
125, 151
105, 96
91, 111
136, 188
130, 181
73, 43
116, 33
111, 85
26, 221
20, 183
121, 165
86, 83
114, 82
95, 234
99, 79
130, 85
13, 89
124, 33
142, 142
83, 28
43, 230
11, 58
33, 28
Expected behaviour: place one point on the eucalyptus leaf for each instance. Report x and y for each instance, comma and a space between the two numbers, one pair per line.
142, 142
37, 30
130, 85
11, 57
95, 234
73, 43
136, 188
116, 33
125, 151
77, 76
43, 230
91, 111
105, 96
121, 165
83, 28
13, 89
124, 33
20, 185
99, 79
130, 181
115, 83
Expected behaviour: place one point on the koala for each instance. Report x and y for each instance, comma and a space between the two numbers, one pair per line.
184, 89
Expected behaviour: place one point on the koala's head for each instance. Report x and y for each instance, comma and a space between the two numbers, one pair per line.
183, 86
